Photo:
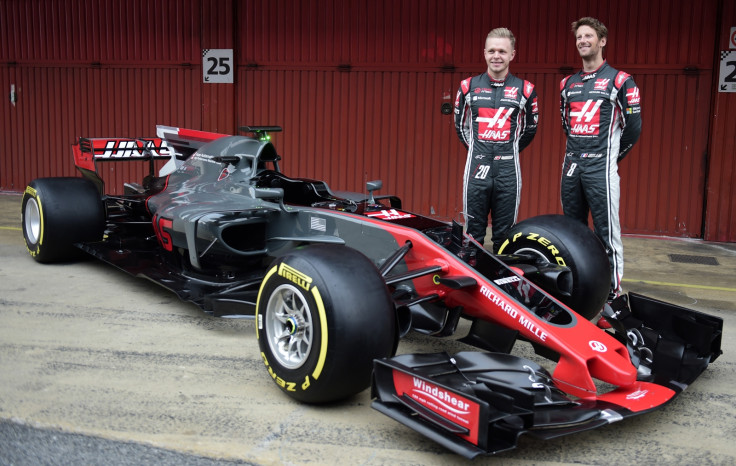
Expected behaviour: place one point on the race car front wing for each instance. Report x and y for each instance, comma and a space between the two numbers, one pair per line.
480, 403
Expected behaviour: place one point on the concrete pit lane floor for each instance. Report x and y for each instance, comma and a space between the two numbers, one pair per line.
86, 349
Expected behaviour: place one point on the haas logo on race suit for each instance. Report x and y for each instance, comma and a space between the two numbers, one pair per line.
510, 92
601, 84
585, 117
494, 124
632, 96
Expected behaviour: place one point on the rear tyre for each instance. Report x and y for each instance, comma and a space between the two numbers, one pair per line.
59, 212
323, 315
564, 241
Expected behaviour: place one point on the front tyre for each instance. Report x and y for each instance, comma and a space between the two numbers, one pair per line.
564, 241
59, 212
323, 315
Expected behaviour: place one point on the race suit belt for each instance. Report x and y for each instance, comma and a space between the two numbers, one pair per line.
493, 157
585, 155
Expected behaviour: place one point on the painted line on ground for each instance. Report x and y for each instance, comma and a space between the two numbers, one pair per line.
682, 285
11, 228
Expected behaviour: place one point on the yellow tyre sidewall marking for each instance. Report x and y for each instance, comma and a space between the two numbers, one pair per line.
323, 333
322, 320
40, 219
32, 193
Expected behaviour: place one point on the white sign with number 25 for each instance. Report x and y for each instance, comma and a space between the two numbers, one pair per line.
217, 65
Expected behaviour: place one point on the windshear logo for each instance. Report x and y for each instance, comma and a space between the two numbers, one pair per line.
445, 399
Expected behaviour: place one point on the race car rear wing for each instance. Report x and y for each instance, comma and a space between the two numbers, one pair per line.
174, 144
89, 151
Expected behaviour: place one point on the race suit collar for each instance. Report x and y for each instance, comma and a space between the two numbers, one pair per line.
589, 74
497, 82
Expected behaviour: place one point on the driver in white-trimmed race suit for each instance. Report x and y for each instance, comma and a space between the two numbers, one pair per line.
602, 120
495, 118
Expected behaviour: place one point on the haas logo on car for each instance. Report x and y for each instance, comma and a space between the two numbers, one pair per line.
597, 346
391, 214
129, 148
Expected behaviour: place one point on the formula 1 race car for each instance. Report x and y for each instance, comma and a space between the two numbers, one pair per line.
335, 279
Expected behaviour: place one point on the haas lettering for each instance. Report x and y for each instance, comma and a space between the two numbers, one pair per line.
495, 135
584, 129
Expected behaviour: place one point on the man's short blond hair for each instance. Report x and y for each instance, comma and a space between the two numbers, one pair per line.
503, 33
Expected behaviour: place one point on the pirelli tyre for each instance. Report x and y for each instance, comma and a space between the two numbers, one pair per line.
564, 241
59, 212
323, 315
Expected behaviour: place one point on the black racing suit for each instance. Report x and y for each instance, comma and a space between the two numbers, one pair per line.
601, 117
495, 120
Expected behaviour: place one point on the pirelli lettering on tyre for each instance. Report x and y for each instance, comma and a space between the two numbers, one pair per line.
295, 276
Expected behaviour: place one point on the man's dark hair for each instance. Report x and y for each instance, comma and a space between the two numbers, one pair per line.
600, 29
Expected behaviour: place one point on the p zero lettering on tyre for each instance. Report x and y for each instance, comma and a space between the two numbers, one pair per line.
564, 241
